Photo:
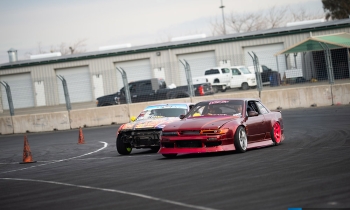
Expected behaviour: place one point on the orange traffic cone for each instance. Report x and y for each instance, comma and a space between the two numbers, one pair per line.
81, 136
27, 154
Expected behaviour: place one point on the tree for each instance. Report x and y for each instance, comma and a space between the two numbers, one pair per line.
74, 48
245, 22
336, 9
272, 18
302, 14
63, 48
277, 17
217, 27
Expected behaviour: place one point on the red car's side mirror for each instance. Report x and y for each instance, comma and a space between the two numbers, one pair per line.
182, 116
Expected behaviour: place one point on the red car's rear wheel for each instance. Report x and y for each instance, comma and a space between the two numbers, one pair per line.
276, 133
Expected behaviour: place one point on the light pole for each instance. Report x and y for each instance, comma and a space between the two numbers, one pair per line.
223, 16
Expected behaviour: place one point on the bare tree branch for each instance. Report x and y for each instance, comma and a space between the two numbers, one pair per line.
272, 18
276, 17
217, 27
235, 22
78, 47
63, 48
302, 14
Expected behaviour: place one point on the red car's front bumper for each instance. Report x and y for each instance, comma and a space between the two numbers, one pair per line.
194, 144
196, 150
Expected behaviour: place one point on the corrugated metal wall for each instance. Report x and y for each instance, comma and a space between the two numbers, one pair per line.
167, 59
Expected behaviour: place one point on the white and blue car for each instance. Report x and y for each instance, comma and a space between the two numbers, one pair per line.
145, 131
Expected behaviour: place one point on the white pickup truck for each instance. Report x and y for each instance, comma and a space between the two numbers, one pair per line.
242, 78
218, 77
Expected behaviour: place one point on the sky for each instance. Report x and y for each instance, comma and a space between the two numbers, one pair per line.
26, 24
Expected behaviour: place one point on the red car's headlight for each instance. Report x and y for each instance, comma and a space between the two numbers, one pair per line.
215, 131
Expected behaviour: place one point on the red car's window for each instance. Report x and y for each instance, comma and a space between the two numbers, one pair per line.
262, 109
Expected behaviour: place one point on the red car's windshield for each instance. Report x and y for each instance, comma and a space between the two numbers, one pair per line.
217, 107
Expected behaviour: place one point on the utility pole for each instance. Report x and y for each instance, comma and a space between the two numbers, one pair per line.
223, 17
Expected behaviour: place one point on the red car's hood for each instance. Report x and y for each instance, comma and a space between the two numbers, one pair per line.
150, 123
200, 123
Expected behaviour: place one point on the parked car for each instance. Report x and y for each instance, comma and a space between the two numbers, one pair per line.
145, 131
218, 77
152, 90
222, 125
266, 73
242, 78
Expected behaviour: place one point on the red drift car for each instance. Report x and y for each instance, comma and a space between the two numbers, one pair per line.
222, 125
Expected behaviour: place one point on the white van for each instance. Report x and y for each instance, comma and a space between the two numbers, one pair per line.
242, 78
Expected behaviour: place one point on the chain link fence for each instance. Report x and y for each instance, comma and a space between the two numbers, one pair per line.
254, 71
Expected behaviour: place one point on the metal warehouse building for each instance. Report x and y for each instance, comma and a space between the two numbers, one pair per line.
35, 83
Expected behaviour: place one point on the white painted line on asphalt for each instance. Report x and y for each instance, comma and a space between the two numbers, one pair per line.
51, 161
57, 161
115, 191
102, 158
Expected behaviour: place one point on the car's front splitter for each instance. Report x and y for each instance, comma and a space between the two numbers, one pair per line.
220, 148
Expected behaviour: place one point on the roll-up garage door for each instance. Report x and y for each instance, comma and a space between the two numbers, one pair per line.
199, 62
21, 90
78, 83
266, 56
135, 70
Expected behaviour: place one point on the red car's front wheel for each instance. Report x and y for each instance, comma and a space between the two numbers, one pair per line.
241, 140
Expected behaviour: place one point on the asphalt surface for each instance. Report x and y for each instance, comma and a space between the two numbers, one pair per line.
310, 169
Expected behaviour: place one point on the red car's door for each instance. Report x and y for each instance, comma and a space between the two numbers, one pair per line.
256, 125
266, 128
255, 128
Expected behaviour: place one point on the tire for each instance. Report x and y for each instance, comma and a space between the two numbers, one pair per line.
223, 90
245, 86
215, 89
169, 155
240, 140
107, 104
123, 148
276, 133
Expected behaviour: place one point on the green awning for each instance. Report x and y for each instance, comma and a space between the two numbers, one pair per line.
333, 41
